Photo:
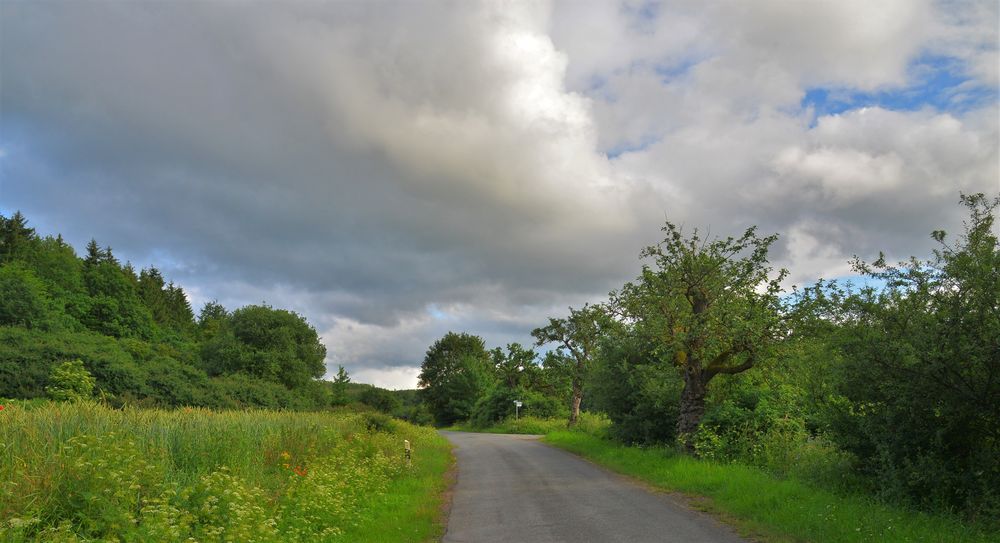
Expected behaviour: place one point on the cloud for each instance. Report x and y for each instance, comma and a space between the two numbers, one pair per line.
393, 174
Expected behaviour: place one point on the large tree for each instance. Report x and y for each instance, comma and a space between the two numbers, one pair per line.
576, 337
273, 344
455, 373
712, 307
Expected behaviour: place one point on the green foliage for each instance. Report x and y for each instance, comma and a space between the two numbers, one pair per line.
114, 308
70, 381
711, 306
24, 300
271, 344
498, 404
921, 377
576, 339
381, 399
15, 236
167, 302
338, 393
640, 394
27, 357
211, 319
455, 373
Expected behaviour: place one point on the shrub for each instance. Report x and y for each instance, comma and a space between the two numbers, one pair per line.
640, 396
70, 381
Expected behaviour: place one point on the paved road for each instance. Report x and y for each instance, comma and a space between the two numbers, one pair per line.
515, 489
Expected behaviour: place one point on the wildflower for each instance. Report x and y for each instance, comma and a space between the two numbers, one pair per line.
285, 455
1, 407
300, 471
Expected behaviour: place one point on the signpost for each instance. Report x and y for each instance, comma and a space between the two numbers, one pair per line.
517, 409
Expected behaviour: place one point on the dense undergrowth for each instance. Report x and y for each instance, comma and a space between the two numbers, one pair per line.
84, 472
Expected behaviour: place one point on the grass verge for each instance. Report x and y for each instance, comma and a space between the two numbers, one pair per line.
766, 507
414, 509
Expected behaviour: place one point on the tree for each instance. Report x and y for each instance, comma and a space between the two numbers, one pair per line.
455, 373
712, 306
272, 344
922, 370
114, 308
340, 387
14, 236
211, 319
94, 254
577, 335
514, 368
167, 302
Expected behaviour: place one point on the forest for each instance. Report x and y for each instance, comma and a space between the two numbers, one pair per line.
888, 386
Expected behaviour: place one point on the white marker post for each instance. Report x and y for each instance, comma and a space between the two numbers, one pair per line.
406, 450
517, 409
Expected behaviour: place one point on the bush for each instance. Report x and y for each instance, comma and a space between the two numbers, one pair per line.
640, 396
380, 399
70, 381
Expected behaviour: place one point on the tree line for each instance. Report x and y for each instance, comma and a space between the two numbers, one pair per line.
136, 334
890, 386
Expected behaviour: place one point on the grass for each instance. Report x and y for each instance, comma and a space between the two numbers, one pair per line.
83, 472
767, 507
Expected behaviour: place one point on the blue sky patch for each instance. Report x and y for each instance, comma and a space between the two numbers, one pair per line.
937, 82
632, 146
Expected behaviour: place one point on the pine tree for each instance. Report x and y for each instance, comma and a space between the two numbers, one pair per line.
94, 254
14, 235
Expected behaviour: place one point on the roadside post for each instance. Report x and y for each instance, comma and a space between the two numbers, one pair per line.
406, 450
517, 409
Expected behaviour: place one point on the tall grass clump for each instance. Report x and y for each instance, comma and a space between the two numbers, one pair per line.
82, 471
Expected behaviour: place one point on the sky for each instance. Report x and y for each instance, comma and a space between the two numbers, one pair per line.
393, 171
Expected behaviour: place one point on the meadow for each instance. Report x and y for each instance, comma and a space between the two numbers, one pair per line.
87, 472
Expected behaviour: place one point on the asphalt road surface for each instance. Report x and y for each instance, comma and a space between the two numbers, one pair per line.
515, 489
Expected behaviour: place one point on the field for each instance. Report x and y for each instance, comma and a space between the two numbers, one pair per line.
85, 472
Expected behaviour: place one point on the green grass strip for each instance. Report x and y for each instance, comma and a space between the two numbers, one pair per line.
413, 510
769, 508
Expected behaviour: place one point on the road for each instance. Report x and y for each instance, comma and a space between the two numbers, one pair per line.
515, 489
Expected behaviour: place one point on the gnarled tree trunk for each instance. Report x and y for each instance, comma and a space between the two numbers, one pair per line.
574, 414
692, 407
